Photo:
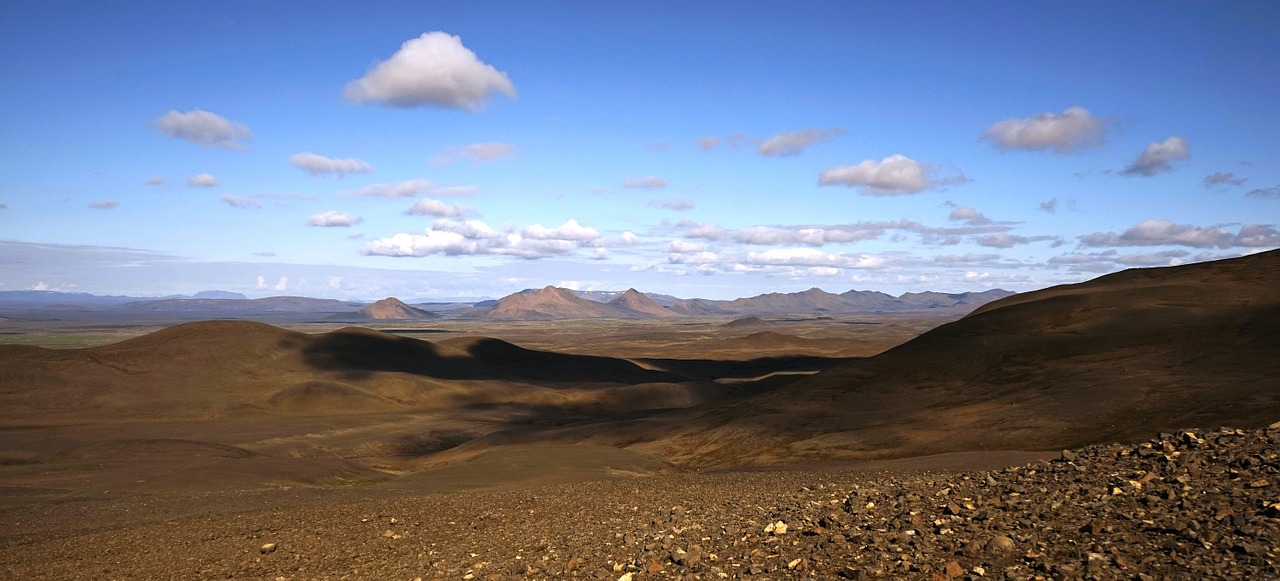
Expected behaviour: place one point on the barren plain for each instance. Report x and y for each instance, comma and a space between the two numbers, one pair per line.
890, 445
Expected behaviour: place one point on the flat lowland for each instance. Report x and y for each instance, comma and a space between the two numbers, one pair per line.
643, 448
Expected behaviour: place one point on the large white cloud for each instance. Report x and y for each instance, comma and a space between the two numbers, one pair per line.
473, 237
410, 189
205, 128
1158, 157
787, 143
319, 165
434, 69
333, 219
476, 153
1164, 232
1066, 132
892, 176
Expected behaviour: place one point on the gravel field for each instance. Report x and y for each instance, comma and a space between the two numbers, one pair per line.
1187, 505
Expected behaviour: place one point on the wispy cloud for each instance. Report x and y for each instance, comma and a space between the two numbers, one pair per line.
320, 166
410, 189
679, 205
238, 202
104, 205
430, 207
475, 153
333, 219
204, 128
645, 183
788, 143
1218, 178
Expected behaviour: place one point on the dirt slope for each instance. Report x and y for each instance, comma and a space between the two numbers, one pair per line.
1115, 358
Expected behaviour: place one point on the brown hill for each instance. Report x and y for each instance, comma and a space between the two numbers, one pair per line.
554, 303
1116, 358
634, 300
699, 308
748, 323
215, 368
814, 300
392, 308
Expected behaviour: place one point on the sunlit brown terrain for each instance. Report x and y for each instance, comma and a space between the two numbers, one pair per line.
183, 428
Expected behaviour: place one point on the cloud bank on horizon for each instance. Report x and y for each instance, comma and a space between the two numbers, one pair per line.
659, 147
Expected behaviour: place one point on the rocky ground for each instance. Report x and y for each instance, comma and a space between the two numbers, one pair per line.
1187, 505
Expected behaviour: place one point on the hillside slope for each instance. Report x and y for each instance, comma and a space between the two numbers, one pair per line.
1116, 358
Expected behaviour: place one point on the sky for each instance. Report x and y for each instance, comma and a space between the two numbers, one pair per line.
432, 150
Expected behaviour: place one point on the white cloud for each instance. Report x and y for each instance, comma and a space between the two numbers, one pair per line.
570, 230
262, 283
704, 230
645, 183
1272, 192
319, 165
1164, 232
1050, 206
812, 257
282, 284
473, 237
682, 247
763, 235
476, 153
203, 180
787, 143
969, 215
429, 207
238, 202
434, 69
205, 128
40, 286
333, 219
104, 205
1218, 178
410, 189
1002, 240
1066, 132
892, 176
600, 254
155, 180
676, 205
707, 143
1158, 157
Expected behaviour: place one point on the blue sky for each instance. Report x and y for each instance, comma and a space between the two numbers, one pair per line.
432, 150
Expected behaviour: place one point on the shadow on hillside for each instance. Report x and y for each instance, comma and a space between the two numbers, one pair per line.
358, 353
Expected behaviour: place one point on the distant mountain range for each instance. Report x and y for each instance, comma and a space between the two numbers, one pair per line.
531, 304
